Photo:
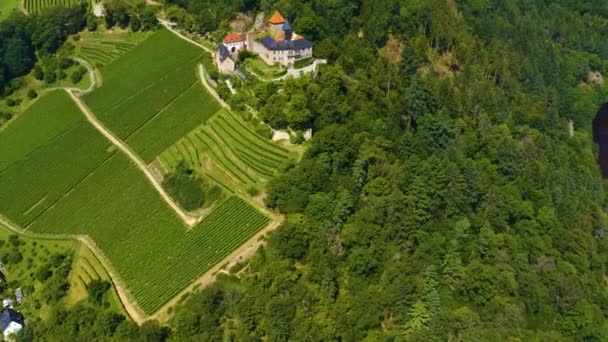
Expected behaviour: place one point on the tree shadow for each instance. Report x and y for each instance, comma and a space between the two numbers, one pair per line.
600, 136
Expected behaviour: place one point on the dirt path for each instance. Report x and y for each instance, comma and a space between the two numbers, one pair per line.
242, 253
95, 79
131, 308
169, 25
188, 220
201, 74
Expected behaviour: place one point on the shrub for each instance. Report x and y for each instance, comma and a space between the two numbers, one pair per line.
76, 77
61, 75
264, 130
96, 289
302, 63
50, 77
297, 138
91, 23
252, 190
65, 63
4, 117
43, 273
32, 94
14, 240
135, 23
11, 102
38, 73
185, 187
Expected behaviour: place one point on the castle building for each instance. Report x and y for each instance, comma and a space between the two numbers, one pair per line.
277, 44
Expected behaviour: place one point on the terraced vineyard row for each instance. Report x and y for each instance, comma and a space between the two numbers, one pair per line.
103, 52
37, 6
244, 155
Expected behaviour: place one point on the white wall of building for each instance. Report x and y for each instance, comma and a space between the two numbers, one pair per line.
13, 328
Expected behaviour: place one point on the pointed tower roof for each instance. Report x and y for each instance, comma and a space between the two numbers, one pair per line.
276, 18
286, 26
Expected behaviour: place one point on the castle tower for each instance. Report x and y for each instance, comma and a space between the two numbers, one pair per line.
276, 22
287, 30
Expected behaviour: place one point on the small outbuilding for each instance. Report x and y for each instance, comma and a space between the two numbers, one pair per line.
11, 322
224, 60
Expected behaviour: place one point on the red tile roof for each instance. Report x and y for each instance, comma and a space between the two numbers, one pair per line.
234, 37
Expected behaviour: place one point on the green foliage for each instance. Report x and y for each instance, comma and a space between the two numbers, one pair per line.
185, 187
170, 106
442, 196
97, 289
32, 94
76, 77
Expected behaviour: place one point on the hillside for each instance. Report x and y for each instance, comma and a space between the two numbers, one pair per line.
443, 196
451, 190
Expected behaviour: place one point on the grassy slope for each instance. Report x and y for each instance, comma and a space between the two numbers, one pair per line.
7, 6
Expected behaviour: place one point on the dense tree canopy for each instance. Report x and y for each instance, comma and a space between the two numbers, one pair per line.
23, 37
442, 196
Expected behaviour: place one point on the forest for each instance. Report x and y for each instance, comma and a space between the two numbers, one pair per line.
443, 196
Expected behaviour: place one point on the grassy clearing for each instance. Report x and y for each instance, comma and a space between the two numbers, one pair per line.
37, 6
7, 7
150, 95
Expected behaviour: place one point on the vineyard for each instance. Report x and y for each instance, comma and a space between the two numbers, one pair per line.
161, 89
63, 177
49, 117
149, 248
37, 6
58, 152
245, 156
189, 110
103, 52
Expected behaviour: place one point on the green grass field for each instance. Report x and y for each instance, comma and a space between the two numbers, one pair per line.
243, 155
37, 6
7, 7
150, 96
67, 179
